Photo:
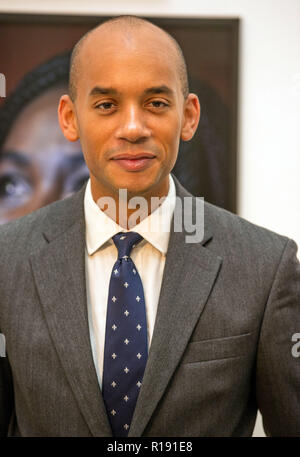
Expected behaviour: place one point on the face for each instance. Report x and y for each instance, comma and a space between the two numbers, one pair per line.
129, 113
37, 164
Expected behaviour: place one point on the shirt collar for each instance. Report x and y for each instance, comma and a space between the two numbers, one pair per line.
155, 228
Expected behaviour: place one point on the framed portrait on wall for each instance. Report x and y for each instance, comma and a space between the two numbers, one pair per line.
35, 52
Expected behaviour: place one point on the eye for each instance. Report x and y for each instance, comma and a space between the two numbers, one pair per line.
14, 190
105, 106
158, 105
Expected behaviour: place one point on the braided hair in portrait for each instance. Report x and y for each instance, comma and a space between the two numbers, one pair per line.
49, 74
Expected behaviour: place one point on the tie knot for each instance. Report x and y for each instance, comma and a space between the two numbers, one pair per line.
125, 242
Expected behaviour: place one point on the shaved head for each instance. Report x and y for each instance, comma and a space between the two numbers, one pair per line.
128, 25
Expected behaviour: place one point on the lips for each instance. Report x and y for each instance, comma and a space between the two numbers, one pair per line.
142, 155
134, 162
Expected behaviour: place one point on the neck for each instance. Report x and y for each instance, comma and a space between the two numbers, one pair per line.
126, 209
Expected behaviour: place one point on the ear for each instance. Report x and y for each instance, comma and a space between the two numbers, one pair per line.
67, 118
191, 117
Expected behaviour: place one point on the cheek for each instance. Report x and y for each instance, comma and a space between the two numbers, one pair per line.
170, 136
95, 135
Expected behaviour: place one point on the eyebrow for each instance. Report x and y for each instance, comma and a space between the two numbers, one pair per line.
16, 157
19, 159
159, 90
163, 89
97, 90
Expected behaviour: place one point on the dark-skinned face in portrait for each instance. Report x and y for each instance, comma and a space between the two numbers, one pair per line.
37, 164
129, 103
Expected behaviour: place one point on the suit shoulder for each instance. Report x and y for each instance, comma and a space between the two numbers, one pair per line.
22, 223
233, 231
57, 216
236, 231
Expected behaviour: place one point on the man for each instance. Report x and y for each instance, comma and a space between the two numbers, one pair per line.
211, 323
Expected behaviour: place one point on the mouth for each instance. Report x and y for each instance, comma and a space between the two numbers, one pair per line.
134, 162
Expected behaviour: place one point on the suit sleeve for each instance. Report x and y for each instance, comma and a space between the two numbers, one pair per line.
6, 396
278, 366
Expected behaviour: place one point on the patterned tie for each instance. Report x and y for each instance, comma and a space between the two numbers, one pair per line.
126, 347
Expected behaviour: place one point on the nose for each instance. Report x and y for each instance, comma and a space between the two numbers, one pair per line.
132, 126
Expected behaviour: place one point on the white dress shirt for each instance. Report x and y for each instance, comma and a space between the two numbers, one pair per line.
101, 253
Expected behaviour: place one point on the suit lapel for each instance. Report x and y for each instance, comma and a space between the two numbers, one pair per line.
59, 273
189, 275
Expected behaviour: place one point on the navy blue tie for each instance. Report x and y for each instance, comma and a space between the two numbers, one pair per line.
126, 346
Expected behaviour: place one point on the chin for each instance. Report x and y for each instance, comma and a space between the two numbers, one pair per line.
136, 185
135, 190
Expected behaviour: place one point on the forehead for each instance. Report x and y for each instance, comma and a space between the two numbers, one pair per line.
36, 131
134, 58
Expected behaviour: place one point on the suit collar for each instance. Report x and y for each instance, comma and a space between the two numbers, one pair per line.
185, 197
64, 214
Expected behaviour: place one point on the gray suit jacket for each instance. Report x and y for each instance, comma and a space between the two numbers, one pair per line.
221, 345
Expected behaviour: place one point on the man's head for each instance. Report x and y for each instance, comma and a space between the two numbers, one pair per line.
129, 105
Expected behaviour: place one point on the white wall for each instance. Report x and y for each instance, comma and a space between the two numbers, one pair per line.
269, 108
